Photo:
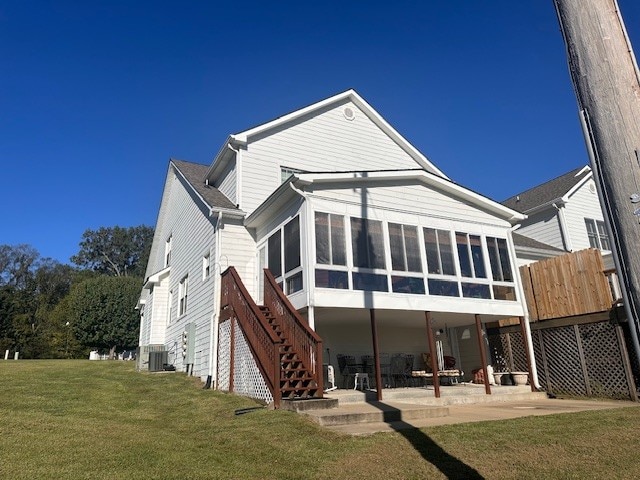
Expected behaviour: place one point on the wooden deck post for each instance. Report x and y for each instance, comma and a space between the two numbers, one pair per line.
376, 354
483, 356
528, 354
432, 350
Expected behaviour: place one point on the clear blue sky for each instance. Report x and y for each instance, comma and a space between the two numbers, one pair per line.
96, 96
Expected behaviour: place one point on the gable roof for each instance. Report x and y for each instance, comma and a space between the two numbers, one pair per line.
194, 174
548, 192
242, 138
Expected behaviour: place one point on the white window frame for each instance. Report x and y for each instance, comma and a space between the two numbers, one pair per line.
167, 251
206, 266
183, 295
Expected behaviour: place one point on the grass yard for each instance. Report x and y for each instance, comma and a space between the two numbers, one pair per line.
74, 419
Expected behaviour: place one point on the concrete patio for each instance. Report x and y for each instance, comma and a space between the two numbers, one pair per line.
359, 413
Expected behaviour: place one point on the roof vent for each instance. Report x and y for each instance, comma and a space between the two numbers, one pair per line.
348, 113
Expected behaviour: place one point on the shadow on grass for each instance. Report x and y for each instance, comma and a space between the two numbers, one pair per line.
449, 465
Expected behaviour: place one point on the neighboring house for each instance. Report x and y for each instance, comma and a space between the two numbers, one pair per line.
564, 213
351, 220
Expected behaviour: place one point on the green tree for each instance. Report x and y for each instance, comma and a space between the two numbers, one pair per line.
102, 312
30, 287
115, 251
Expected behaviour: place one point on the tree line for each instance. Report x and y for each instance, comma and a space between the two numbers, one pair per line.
53, 310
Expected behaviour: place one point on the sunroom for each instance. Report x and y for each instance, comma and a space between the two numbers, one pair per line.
391, 263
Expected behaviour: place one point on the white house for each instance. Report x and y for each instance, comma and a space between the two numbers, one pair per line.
564, 212
373, 246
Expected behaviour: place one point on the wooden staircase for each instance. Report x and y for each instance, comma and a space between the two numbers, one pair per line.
296, 380
287, 352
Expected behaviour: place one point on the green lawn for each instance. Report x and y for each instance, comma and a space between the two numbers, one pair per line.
69, 419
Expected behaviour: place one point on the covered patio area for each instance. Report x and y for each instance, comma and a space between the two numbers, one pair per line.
402, 350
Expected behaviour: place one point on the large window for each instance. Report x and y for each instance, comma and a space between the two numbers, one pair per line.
275, 254
331, 251
500, 268
597, 234
458, 264
437, 245
405, 250
405, 257
470, 255
367, 243
330, 244
288, 274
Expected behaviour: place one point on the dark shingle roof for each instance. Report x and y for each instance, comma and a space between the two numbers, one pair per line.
546, 192
194, 174
526, 242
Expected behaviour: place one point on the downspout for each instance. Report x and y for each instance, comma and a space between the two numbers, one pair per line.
213, 335
310, 292
566, 240
238, 175
523, 301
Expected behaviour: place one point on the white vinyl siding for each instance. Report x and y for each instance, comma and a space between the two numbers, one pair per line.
324, 142
543, 227
583, 204
192, 233
227, 182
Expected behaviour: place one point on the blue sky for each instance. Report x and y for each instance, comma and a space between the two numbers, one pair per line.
96, 96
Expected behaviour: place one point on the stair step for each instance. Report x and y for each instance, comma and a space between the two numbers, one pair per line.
375, 412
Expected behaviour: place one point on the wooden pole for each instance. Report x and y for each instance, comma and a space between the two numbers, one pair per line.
606, 81
483, 355
432, 350
376, 354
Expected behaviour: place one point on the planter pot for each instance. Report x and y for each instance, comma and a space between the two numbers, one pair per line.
497, 377
520, 378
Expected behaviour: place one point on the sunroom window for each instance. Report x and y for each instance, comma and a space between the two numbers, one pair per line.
437, 245
283, 257
405, 257
330, 251
500, 268
367, 243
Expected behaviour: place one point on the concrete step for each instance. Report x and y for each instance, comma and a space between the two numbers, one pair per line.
375, 412
451, 395
302, 405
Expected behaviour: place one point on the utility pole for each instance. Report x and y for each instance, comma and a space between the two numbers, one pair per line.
606, 81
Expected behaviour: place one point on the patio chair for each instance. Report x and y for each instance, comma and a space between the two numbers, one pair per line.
401, 365
348, 368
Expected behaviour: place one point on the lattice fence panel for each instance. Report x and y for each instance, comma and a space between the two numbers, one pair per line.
247, 379
518, 352
606, 373
224, 355
499, 351
563, 361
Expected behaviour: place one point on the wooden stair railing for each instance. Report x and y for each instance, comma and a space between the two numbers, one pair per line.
301, 350
264, 343
287, 352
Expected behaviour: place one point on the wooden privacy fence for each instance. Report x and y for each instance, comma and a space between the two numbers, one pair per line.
579, 340
568, 285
